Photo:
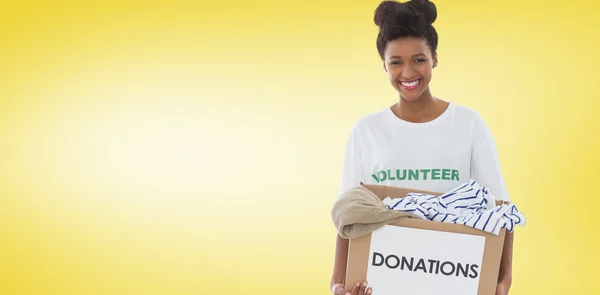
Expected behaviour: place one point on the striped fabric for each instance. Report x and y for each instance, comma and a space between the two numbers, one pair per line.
469, 204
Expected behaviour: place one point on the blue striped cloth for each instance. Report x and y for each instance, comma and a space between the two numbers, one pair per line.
468, 204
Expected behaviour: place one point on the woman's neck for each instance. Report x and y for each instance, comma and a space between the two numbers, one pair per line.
424, 109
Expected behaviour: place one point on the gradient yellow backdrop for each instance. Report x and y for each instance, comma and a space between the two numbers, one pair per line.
195, 147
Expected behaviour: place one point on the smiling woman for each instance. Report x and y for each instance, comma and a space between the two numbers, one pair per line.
419, 132
407, 43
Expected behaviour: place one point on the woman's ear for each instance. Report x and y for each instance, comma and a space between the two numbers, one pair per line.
435, 61
384, 67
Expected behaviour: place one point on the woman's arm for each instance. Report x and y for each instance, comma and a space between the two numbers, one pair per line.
340, 262
486, 171
338, 279
352, 176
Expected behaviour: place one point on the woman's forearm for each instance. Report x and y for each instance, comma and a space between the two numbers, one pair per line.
341, 260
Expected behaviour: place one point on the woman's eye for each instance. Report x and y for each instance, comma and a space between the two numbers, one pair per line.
395, 62
420, 60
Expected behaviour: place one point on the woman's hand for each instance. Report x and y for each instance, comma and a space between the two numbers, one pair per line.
358, 289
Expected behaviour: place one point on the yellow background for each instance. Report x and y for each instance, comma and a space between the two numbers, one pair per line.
195, 147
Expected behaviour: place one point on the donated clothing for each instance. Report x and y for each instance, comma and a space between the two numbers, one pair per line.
435, 156
469, 204
359, 211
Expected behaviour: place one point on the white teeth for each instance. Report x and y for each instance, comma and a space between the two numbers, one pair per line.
410, 84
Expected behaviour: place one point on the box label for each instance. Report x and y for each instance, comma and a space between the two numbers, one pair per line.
424, 262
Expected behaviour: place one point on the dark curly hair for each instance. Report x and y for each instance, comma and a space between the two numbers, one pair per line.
409, 19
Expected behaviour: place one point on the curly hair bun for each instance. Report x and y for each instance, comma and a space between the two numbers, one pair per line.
414, 16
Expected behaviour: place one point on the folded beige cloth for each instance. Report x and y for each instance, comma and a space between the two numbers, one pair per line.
359, 211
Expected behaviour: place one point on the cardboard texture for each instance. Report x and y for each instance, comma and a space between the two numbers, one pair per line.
358, 252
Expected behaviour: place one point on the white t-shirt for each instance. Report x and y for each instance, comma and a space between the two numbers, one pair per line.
436, 156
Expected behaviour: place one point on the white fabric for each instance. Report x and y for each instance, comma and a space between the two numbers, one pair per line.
469, 204
435, 156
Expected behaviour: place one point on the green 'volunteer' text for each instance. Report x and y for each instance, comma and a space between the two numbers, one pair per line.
416, 174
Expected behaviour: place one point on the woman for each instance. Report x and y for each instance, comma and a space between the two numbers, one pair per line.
421, 142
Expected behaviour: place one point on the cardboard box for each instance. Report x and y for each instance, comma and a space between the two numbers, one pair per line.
422, 257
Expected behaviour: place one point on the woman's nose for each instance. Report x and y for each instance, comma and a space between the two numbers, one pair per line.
408, 72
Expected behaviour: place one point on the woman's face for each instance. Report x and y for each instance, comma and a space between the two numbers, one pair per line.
409, 62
